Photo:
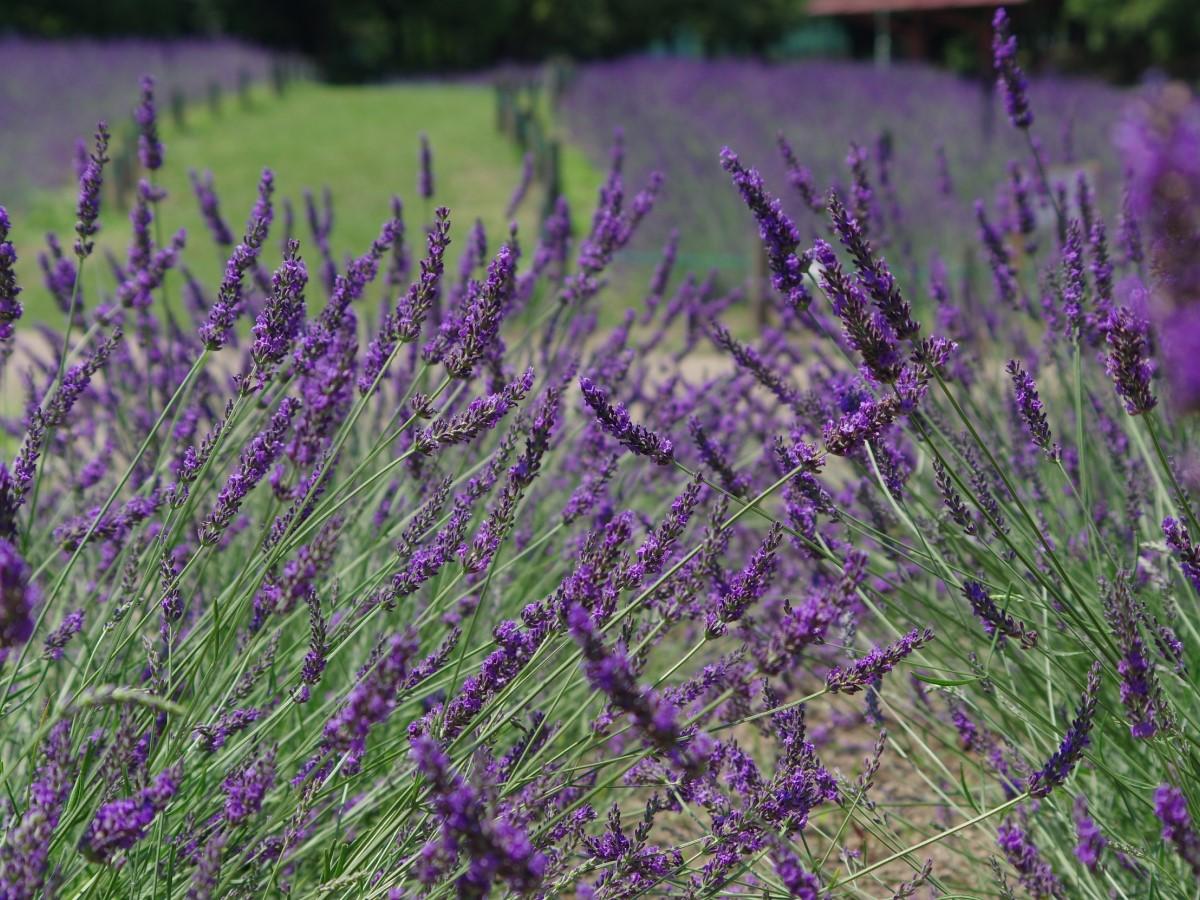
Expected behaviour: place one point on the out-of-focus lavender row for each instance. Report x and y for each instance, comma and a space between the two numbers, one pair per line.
677, 114
53, 91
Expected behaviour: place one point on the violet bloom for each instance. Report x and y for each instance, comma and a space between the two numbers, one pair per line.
869, 334
610, 672
1171, 808
120, 824
863, 424
1004, 277
479, 328
10, 306
495, 846
218, 328
18, 596
482, 414
745, 588
616, 422
778, 233
403, 324
1009, 76
87, 211
282, 316
1128, 361
1160, 143
1140, 692
1035, 873
878, 662
210, 208
1058, 767
1089, 842
150, 148
26, 845
1032, 410
1074, 279
72, 624
425, 176
257, 458
370, 702
245, 788
873, 272
995, 620
799, 176
1188, 553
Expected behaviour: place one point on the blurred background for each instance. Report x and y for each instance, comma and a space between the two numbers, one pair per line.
333, 96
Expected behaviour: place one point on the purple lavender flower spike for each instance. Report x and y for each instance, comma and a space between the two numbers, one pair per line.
1032, 410
779, 235
868, 334
1171, 808
18, 596
878, 662
496, 847
279, 323
480, 325
246, 787
119, 824
257, 458
799, 176
1128, 361
615, 420
1089, 842
210, 209
1058, 767
1141, 694
1035, 873
218, 328
1075, 282
58, 639
150, 148
480, 415
995, 620
10, 306
87, 211
24, 853
1009, 76
745, 588
864, 424
1180, 541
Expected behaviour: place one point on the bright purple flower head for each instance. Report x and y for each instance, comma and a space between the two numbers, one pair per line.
119, 824
1171, 808
10, 306
615, 420
1009, 76
150, 148
18, 596
87, 211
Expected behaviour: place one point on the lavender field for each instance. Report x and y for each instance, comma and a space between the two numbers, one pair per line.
933, 141
53, 92
397, 572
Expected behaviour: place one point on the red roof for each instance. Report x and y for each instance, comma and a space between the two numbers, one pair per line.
865, 7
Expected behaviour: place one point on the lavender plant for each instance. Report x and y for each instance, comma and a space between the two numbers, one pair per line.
387, 583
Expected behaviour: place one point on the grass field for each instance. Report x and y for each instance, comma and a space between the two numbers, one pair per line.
361, 142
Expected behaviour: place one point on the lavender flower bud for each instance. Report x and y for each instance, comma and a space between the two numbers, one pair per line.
26, 846
1032, 410
1010, 78
282, 316
150, 148
120, 824
995, 620
616, 422
1171, 808
876, 663
778, 233
1128, 361
1058, 767
210, 208
72, 624
87, 211
1089, 842
10, 307
257, 459
1188, 554
18, 596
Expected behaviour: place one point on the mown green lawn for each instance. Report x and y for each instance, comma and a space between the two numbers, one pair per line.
361, 142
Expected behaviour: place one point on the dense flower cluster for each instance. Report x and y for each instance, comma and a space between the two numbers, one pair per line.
314, 578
